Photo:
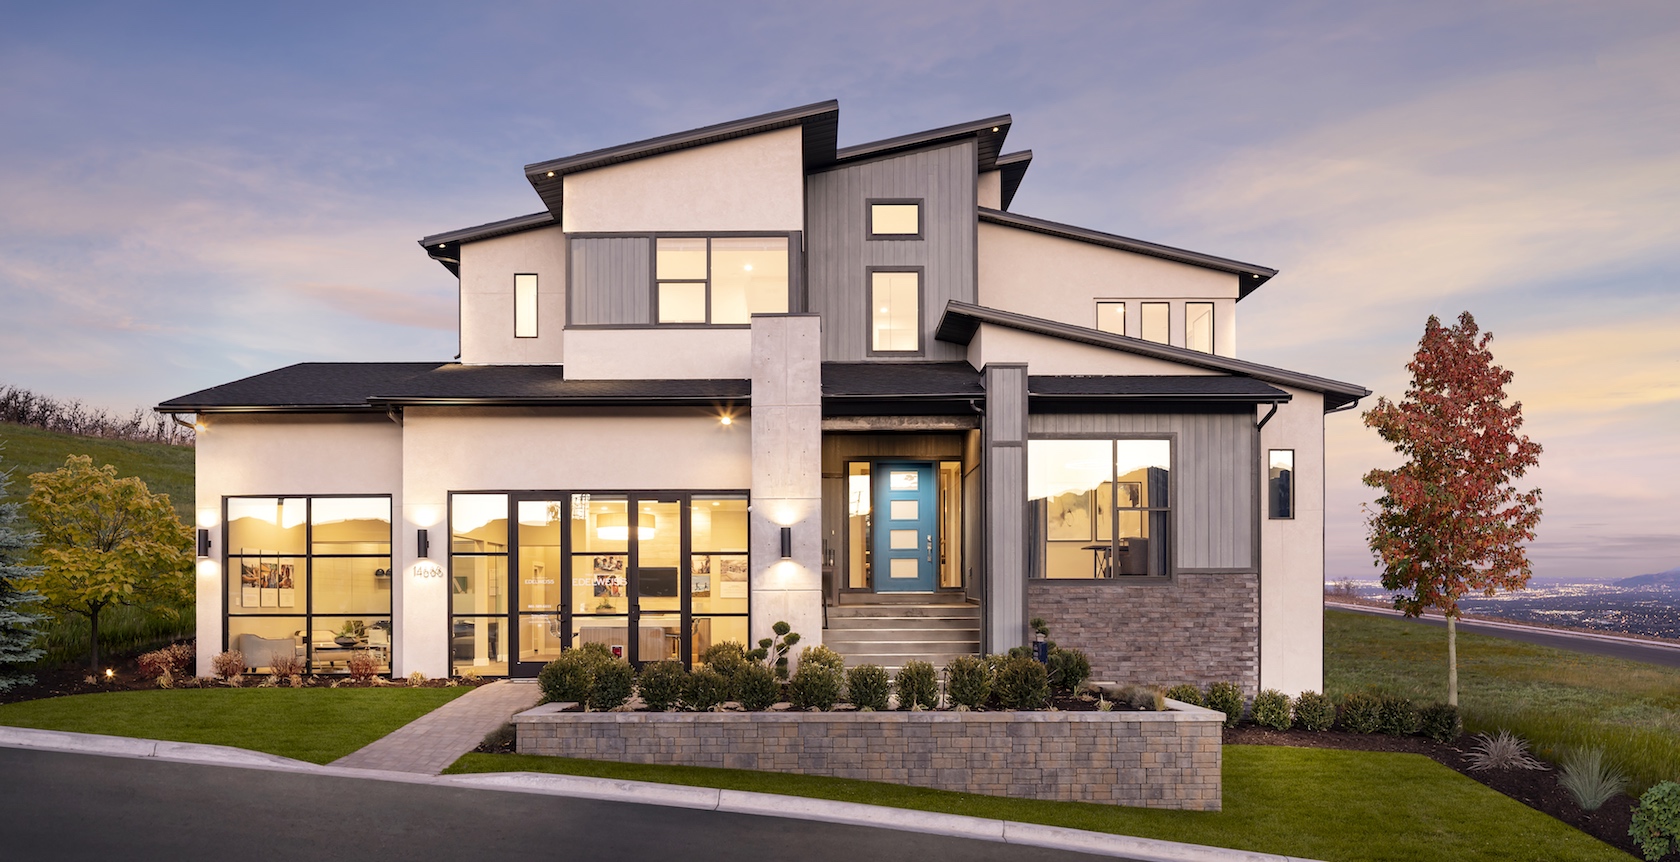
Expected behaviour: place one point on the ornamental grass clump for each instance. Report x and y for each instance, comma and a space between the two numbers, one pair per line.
1068, 669
363, 666
1361, 712
867, 687
1314, 712
614, 681
1397, 716
757, 688
968, 682
1440, 722
1144, 698
1656, 822
1505, 750
228, 664
1227, 698
662, 685
1271, 709
1022, 683
708, 689
918, 686
1590, 778
176, 660
1186, 693
816, 684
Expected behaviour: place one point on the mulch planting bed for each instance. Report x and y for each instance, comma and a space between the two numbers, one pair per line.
1538, 789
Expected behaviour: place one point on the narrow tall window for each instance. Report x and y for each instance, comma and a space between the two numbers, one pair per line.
525, 306
896, 312
1198, 326
1155, 322
1111, 317
1280, 483
895, 219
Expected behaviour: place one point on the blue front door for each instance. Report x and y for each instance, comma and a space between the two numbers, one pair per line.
905, 520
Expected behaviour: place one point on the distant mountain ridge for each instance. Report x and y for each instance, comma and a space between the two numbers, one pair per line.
1670, 578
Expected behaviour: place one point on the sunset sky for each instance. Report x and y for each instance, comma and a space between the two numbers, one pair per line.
192, 193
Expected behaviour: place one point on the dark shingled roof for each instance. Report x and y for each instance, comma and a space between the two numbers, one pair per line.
1210, 387
901, 380
319, 386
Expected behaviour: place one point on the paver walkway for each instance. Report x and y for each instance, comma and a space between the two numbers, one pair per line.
431, 742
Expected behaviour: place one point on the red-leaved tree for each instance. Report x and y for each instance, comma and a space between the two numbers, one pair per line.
1450, 520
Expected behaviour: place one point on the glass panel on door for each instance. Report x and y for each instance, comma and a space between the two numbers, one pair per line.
658, 580
600, 572
537, 597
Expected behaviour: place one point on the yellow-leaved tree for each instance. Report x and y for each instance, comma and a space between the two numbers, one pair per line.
106, 541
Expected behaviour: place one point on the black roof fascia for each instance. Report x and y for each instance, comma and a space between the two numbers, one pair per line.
1250, 276
301, 387
990, 141
445, 248
821, 121
1153, 389
1014, 167
730, 399
962, 320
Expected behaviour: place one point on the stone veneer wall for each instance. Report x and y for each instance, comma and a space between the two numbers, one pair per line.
1151, 759
1196, 628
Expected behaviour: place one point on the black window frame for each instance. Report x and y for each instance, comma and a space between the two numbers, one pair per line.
536, 305
869, 219
1123, 312
1271, 508
869, 311
1170, 569
1142, 307
1213, 328
708, 236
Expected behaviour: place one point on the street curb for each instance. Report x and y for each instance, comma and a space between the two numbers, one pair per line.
665, 795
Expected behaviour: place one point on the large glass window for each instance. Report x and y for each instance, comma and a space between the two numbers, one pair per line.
895, 219
895, 312
308, 577
478, 557
1099, 508
1280, 483
1198, 326
721, 280
1154, 323
525, 306
1111, 317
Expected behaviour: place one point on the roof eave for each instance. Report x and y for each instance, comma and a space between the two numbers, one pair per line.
990, 133
1250, 275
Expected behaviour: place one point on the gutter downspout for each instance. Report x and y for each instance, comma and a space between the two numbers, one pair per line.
1268, 417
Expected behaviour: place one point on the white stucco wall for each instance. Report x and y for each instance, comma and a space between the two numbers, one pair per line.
658, 354
535, 449
1292, 552
752, 183
487, 271
286, 455
1046, 355
1060, 279
989, 192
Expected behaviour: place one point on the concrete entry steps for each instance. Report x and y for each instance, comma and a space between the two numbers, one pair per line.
891, 634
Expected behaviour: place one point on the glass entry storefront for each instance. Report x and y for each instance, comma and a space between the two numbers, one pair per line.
651, 576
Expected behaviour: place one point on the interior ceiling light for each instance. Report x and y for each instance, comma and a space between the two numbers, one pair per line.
747, 267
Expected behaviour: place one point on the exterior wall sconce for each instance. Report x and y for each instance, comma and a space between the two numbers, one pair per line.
787, 543
424, 543
203, 542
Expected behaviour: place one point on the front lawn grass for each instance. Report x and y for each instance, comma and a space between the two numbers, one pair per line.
318, 725
1317, 803
1554, 698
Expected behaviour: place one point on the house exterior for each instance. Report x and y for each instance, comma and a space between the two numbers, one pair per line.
738, 375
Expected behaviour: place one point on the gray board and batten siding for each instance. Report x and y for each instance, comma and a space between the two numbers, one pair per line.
840, 254
1215, 487
611, 281
1005, 474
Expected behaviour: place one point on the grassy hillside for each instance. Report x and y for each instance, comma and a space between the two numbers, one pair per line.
165, 469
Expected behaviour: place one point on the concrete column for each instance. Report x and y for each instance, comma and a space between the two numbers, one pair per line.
1004, 447
787, 474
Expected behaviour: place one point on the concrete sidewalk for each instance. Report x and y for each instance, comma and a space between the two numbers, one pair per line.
428, 744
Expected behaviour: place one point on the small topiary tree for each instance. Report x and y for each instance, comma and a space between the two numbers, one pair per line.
918, 686
1068, 669
757, 687
1314, 711
614, 680
774, 651
708, 689
816, 685
1397, 716
1227, 698
1361, 712
968, 682
1022, 683
1271, 709
1656, 822
1186, 693
1440, 722
867, 687
662, 685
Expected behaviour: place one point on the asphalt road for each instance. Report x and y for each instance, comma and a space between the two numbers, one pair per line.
74, 806
1629, 649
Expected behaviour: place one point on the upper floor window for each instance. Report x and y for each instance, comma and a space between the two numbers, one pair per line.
1154, 320
1111, 317
895, 219
525, 306
895, 306
1198, 326
719, 280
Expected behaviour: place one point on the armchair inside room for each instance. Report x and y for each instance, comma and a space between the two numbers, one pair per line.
379, 641
260, 652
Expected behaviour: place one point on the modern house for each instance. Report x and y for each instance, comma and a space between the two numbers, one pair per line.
739, 374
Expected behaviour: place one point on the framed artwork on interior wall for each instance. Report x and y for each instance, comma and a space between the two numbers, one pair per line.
608, 575
1069, 516
700, 570
732, 577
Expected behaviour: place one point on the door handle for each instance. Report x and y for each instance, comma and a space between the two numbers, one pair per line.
930, 547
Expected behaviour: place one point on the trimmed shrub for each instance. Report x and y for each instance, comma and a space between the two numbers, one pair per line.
824, 656
728, 658
1361, 712
867, 687
1271, 709
1068, 669
1440, 722
708, 689
614, 680
1186, 693
968, 682
1314, 712
228, 664
568, 678
815, 684
1227, 698
1397, 716
1590, 778
757, 687
918, 686
1656, 822
662, 684
1022, 683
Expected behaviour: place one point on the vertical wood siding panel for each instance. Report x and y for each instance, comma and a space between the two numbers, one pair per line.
610, 280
